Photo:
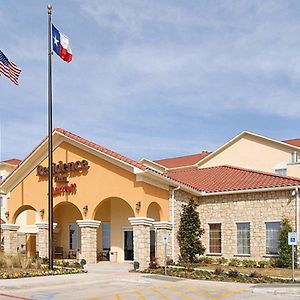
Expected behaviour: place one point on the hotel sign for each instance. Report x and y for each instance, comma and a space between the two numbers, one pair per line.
60, 171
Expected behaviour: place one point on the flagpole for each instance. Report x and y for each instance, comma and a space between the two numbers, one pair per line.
50, 153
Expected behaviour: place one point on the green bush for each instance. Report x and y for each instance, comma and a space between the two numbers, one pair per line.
190, 232
234, 262
284, 259
233, 273
248, 263
264, 264
222, 261
205, 260
218, 271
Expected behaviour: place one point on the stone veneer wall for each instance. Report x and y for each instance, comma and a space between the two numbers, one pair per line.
141, 245
256, 208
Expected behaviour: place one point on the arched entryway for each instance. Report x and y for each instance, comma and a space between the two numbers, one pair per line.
115, 235
66, 233
26, 217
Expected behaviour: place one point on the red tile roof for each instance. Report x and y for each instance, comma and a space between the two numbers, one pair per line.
100, 148
182, 161
228, 178
13, 161
294, 142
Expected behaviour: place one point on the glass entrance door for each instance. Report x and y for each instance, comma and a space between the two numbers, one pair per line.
128, 245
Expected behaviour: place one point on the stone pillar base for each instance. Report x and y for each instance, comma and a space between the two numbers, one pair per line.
163, 237
88, 240
10, 238
42, 238
141, 240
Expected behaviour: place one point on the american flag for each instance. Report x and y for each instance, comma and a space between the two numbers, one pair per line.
9, 69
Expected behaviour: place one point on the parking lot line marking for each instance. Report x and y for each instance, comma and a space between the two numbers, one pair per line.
231, 293
154, 289
197, 292
140, 295
178, 293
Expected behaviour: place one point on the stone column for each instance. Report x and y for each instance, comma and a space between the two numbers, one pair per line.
141, 240
10, 238
163, 231
42, 238
88, 240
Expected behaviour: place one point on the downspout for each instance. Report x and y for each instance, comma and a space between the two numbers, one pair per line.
173, 221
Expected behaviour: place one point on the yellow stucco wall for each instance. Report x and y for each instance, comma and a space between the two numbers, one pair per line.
101, 181
254, 153
109, 191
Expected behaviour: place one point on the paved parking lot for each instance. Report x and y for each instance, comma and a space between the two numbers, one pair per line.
113, 281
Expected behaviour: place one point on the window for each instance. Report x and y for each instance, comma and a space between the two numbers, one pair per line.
1, 201
243, 238
1, 178
215, 238
73, 236
282, 171
106, 236
152, 243
272, 237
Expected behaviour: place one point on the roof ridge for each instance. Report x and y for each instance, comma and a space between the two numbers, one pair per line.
204, 151
261, 172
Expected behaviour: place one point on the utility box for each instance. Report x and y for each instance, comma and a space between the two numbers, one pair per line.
113, 257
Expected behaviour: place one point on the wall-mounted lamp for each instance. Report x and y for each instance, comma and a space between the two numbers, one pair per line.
138, 205
6, 214
42, 213
85, 210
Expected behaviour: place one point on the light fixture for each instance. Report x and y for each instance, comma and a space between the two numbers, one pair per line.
138, 205
6, 214
85, 210
42, 213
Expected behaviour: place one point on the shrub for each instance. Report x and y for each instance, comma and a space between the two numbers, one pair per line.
255, 274
205, 260
153, 263
219, 271
233, 273
234, 262
190, 232
284, 259
222, 261
248, 263
264, 264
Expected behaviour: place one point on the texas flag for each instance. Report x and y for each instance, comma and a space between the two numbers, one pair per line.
61, 45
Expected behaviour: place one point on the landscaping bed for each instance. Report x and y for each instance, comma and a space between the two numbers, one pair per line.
219, 274
20, 266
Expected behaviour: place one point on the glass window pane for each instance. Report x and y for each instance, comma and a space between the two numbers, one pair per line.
272, 237
215, 238
73, 236
243, 238
105, 236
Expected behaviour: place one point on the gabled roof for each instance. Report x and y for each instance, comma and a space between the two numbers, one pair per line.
182, 161
60, 134
13, 161
97, 147
241, 135
229, 178
294, 142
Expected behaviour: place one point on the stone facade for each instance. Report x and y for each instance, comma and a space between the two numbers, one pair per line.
255, 208
141, 240
88, 240
10, 238
42, 238
163, 230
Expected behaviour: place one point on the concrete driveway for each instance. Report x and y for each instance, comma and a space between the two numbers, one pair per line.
114, 281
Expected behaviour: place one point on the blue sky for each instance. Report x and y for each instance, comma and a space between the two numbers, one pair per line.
153, 79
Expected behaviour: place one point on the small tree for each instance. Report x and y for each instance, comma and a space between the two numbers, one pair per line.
284, 259
190, 232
